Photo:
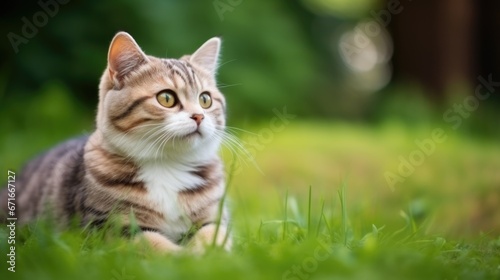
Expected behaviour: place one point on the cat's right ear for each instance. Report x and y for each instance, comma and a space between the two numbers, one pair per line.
124, 56
207, 55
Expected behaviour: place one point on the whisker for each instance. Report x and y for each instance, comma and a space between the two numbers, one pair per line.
231, 128
229, 61
236, 148
231, 85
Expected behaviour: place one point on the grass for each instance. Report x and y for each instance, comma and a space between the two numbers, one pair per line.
321, 209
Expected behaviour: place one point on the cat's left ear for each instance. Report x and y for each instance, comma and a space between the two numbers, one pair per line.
124, 56
207, 56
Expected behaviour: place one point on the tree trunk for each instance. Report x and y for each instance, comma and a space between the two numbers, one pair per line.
435, 45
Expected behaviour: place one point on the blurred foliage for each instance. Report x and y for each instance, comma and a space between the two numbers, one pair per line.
268, 60
341, 8
275, 54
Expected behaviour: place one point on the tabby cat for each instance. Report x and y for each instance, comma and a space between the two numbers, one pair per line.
154, 153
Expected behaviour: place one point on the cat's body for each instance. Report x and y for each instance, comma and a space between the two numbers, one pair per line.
154, 153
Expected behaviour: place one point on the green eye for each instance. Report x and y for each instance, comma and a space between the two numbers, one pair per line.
166, 98
205, 100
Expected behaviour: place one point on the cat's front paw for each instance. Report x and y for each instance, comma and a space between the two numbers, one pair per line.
204, 238
158, 242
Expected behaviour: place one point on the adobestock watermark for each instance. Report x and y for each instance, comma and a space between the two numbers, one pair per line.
257, 142
30, 27
454, 117
407, 165
460, 111
11, 220
224, 6
310, 264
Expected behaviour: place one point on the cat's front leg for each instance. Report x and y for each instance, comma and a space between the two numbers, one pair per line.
206, 236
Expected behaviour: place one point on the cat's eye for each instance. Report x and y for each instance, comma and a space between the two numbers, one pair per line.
205, 100
166, 98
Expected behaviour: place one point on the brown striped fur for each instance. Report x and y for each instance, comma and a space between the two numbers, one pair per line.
143, 158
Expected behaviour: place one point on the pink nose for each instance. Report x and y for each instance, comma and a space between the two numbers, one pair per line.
198, 118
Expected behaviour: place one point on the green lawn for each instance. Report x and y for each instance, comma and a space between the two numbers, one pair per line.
315, 205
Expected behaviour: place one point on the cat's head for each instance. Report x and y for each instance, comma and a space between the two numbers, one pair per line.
152, 107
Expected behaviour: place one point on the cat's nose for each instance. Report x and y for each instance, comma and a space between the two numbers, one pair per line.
198, 118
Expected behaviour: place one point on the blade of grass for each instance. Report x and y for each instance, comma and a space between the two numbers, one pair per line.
259, 232
221, 203
321, 215
285, 224
341, 193
309, 213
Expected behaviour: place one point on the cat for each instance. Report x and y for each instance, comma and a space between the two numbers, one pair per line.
159, 126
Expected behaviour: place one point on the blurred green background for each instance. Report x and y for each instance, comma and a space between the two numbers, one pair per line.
364, 80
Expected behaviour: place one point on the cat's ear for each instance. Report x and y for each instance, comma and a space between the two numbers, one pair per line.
124, 56
207, 55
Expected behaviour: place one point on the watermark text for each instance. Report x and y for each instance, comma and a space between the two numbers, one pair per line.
30, 28
11, 220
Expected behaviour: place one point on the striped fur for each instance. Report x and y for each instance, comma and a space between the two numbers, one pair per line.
143, 158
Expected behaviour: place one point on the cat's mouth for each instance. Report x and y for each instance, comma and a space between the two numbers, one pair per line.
192, 134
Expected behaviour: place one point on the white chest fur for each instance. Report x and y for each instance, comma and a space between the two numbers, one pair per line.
163, 182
